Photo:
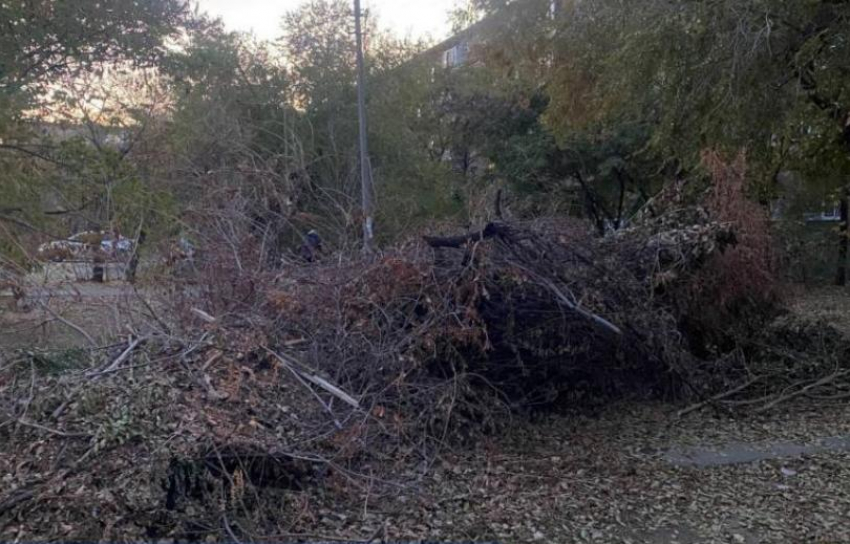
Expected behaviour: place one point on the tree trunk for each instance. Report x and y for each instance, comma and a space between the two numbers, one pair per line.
594, 208
844, 241
133, 264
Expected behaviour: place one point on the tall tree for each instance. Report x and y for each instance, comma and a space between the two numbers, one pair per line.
43, 39
769, 77
46, 45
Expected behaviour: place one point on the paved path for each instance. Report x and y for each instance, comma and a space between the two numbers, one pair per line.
742, 452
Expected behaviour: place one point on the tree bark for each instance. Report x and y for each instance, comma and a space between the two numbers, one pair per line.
618, 222
596, 210
133, 264
844, 241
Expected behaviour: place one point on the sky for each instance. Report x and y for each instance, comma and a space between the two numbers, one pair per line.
417, 18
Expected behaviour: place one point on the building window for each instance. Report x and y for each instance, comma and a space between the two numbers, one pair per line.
829, 212
456, 56
832, 212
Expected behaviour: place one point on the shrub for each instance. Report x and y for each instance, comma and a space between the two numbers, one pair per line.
741, 283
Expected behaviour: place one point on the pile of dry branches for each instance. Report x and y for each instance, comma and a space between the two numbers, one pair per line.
346, 375
253, 386
516, 316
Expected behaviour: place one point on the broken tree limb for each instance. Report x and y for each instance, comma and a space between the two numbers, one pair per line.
717, 398
501, 230
215, 357
565, 301
206, 382
293, 365
788, 396
67, 323
120, 360
332, 389
490, 231
601, 321
63, 434
300, 378
204, 315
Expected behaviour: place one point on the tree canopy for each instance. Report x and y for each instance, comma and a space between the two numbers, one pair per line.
582, 107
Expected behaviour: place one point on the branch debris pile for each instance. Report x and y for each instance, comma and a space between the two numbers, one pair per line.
347, 377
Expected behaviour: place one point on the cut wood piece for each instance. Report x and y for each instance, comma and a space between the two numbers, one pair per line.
297, 367
215, 357
802, 391
332, 389
204, 315
120, 359
601, 321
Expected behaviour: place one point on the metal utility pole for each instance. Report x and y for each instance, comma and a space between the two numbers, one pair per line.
844, 243
365, 166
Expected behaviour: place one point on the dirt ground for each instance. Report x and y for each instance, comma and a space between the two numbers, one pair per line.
573, 478
68, 315
607, 478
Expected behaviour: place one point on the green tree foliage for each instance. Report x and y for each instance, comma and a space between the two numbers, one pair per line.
230, 142
586, 109
413, 185
767, 76
231, 96
276, 123
318, 47
638, 94
44, 45
497, 110
43, 39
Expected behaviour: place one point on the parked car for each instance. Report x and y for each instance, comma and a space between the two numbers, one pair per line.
85, 246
